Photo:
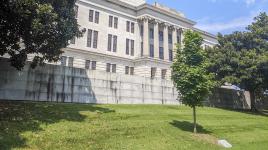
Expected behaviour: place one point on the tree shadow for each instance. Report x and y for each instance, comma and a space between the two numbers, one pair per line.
188, 126
19, 117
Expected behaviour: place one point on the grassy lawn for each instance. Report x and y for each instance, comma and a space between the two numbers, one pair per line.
132, 127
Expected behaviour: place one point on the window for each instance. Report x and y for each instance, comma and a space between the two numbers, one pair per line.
110, 21
97, 16
109, 42
128, 26
170, 55
70, 61
87, 64
131, 70
141, 30
132, 27
127, 70
91, 13
89, 37
169, 38
161, 53
108, 67
72, 41
115, 43
163, 73
153, 71
113, 68
178, 37
151, 50
151, 33
141, 48
127, 46
76, 11
161, 37
132, 47
93, 65
63, 60
115, 22
95, 39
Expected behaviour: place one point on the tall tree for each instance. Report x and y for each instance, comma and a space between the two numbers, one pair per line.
38, 27
241, 58
189, 72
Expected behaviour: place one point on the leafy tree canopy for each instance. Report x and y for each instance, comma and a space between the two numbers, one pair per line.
241, 58
38, 27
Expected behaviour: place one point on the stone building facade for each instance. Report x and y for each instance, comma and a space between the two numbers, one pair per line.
128, 37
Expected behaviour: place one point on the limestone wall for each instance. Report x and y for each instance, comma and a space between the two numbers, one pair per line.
64, 84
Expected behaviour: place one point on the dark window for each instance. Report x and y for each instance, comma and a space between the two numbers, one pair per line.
115, 44
163, 73
127, 46
131, 70
76, 11
109, 42
110, 21
151, 50
126, 70
97, 16
128, 26
87, 64
91, 13
114, 68
161, 37
89, 37
63, 60
169, 38
93, 65
71, 61
72, 40
141, 48
141, 30
170, 55
161, 53
95, 40
178, 38
132, 27
132, 47
115, 22
151, 33
153, 71
108, 67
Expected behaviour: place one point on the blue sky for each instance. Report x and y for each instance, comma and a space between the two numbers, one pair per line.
224, 16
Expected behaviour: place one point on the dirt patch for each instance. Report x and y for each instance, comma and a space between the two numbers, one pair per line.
206, 138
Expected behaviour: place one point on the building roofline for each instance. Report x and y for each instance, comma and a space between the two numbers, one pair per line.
205, 33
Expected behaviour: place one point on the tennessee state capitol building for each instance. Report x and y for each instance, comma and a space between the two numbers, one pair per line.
128, 37
124, 57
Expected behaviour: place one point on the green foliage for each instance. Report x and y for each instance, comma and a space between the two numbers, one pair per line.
38, 27
241, 58
189, 71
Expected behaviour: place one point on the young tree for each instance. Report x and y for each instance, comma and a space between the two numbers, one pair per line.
241, 58
38, 27
189, 72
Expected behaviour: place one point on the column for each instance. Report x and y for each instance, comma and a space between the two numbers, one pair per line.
166, 48
174, 40
146, 37
156, 40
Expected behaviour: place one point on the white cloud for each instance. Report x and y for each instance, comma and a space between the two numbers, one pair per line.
234, 24
247, 2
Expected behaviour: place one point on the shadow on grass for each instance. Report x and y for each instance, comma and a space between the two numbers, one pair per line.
188, 126
18, 117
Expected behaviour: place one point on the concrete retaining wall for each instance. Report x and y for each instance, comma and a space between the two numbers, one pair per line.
231, 99
64, 84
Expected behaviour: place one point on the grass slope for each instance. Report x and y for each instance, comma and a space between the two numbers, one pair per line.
131, 127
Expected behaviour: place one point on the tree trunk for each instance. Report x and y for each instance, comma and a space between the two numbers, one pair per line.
194, 115
252, 101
